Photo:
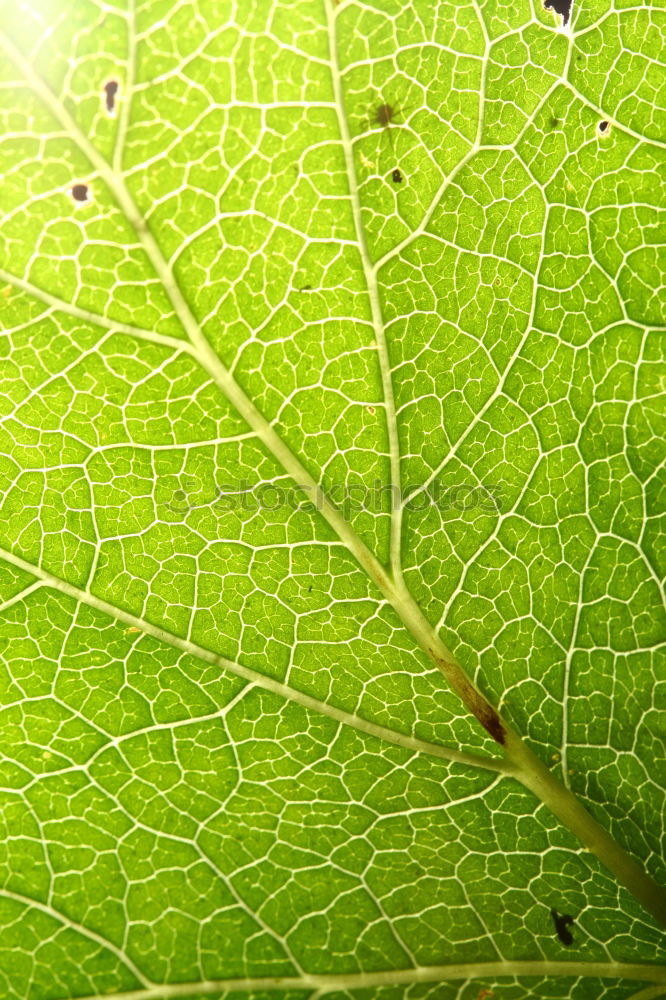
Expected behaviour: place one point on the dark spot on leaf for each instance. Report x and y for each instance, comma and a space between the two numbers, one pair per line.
554, 122
111, 89
561, 7
80, 192
562, 923
305, 288
604, 126
396, 176
384, 115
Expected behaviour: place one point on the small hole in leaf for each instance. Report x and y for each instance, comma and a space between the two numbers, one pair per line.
561, 7
111, 89
562, 923
80, 192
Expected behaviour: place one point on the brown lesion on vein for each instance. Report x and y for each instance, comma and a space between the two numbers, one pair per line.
480, 708
484, 712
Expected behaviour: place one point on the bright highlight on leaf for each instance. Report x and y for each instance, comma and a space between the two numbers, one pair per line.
330, 451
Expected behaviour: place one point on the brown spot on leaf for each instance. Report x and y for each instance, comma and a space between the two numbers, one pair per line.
384, 115
80, 192
111, 89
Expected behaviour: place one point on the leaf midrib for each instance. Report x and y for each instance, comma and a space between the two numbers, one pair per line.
488, 971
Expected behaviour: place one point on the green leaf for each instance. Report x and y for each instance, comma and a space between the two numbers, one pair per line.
331, 448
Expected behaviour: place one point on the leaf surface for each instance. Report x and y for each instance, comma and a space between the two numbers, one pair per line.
270, 416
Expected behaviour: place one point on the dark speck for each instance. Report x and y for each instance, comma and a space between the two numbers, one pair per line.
562, 922
111, 89
396, 176
305, 288
603, 126
80, 192
554, 122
